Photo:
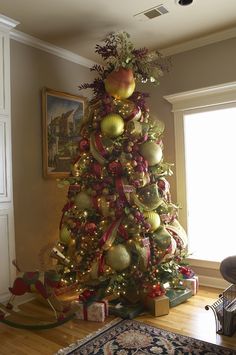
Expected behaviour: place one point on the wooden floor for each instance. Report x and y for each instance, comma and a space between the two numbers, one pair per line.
189, 318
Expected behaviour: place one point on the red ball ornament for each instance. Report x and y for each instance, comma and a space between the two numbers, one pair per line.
96, 169
90, 228
84, 145
115, 168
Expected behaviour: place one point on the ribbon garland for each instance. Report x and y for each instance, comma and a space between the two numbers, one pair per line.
99, 145
146, 245
134, 113
120, 189
110, 232
123, 232
101, 264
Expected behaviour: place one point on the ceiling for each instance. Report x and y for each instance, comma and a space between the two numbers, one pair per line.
77, 25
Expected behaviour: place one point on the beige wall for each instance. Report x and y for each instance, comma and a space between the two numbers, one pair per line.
37, 201
206, 66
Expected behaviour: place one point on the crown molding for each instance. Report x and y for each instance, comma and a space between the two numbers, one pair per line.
50, 48
7, 23
199, 42
204, 97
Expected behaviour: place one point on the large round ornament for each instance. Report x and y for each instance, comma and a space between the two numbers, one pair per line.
65, 235
149, 197
83, 201
112, 125
152, 152
118, 257
120, 84
153, 219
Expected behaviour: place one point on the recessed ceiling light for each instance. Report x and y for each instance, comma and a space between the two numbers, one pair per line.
183, 2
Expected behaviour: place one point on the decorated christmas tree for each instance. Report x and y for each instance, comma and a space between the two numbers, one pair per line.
119, 231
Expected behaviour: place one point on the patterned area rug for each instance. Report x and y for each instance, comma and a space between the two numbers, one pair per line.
126, 337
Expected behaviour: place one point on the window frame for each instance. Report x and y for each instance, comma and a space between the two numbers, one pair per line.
200, 100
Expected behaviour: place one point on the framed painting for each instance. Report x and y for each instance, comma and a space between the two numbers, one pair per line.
62, 116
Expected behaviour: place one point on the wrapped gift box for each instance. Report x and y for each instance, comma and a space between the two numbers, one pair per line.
177, 296
95, 312
65, 289
192, 284
158, 306
125, 311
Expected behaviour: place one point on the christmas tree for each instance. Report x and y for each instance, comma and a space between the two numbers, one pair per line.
119, 232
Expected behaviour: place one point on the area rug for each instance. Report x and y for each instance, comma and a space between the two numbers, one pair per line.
129, 337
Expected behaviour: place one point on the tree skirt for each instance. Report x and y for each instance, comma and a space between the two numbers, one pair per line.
126, 337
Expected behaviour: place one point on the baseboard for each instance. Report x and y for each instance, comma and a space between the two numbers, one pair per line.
18, 299
213, 282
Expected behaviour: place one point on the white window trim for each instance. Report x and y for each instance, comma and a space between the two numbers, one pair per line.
182, 104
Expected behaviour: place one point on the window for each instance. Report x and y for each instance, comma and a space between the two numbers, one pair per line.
210, 168
205, 144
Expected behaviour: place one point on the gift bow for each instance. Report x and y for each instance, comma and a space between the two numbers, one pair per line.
187, 272
155, 291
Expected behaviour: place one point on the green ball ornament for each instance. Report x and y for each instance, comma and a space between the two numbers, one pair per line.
112, 125
152, 152
65, 235
153, 219
118, 257
83, 201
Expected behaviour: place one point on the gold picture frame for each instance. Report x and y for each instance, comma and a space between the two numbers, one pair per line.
62, 114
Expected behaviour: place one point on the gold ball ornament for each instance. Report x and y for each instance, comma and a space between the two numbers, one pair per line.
65, 235
153, 219
118, 257
83, 201
149, 197
120, 83
112, 125
152, 152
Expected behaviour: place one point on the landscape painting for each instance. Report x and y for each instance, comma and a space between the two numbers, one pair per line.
62, 115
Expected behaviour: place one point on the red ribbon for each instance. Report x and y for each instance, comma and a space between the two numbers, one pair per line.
95, 202
108, 232
85, 311
99, 145
123, 232
101, 264
120, 189
133, 114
